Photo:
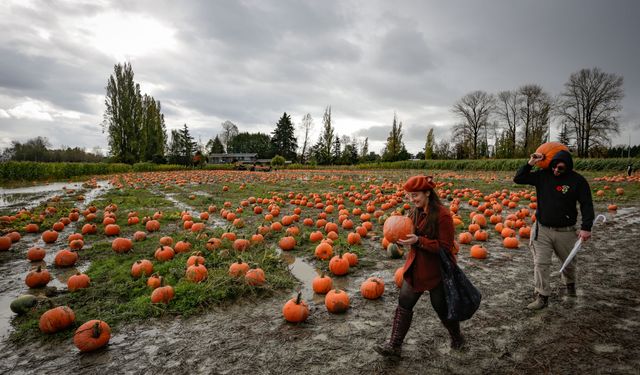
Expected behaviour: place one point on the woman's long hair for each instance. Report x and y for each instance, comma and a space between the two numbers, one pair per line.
433, 215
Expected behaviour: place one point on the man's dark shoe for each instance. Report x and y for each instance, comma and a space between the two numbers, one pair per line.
457, 339
540, 303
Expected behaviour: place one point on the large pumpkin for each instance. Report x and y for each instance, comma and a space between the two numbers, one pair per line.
56, 319
549, 150
92, 335
397, 227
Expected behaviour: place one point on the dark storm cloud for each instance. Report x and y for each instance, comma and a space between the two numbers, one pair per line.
249, 60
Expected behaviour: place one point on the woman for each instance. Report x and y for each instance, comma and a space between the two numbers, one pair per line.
433, 230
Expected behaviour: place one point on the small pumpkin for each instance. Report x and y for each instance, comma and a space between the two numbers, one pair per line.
394, 251
295, 310
65, 258
164, 253
36, 254
398, 277
255, 277
92, 335
287, 243
478, 252
56, 319
197, 272
154, 281
78, 281
162, 294
196, 257
121, 245
324, 251
336, 301
241, 244
183, 246
322, 284
238, 268
112, 230
37, 278
49, 236
510, 243
372, 288
141, 267
352, 258
339, 266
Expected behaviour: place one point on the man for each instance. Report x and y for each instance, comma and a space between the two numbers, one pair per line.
558, 189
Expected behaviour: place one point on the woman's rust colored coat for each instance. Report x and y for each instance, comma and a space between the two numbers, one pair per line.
422, 268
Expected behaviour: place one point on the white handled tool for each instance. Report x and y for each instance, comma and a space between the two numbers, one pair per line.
576, 247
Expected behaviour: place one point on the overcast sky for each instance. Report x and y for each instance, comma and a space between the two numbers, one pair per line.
250, 61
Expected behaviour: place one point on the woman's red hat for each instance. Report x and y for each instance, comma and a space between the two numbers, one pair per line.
419, 183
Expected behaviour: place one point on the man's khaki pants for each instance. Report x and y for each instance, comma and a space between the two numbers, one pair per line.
549, 241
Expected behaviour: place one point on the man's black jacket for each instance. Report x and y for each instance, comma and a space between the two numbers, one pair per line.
557, 196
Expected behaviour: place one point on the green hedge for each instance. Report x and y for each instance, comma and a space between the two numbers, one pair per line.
33, 171
613, 165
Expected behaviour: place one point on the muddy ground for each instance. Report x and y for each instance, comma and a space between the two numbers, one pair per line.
597, 332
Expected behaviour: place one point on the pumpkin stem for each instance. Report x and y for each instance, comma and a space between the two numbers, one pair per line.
298, 298
39, 269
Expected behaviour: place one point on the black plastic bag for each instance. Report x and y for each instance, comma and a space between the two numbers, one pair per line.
463, 299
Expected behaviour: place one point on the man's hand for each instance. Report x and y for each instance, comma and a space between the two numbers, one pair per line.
535, 157
584, 235
411, 239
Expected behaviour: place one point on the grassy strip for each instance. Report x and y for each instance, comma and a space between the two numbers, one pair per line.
115, 297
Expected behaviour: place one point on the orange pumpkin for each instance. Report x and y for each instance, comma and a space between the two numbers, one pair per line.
78, 281
336, 301
339, 266
36, 254
238, 268
397, 227
65, 258
322, 284
92, 335
56, 319
121, 245
37, 278
49, 236
164, 253
372, 288
141, 267
287, 243
255, 277
197, 272
295, 310
162, 294
549, 150
478, 251
398, 277
324, 251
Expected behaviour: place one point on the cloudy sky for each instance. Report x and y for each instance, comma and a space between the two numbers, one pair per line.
249, 61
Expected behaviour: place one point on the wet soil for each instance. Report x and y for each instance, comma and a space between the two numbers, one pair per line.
596, 332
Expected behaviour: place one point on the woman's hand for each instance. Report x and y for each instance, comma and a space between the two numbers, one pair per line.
411, 239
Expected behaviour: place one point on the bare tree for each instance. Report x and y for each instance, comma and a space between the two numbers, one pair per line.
229, 130
508, 109
589, 103
306, 125
535, 115
474, 109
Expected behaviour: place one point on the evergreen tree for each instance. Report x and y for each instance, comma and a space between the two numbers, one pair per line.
336, 150
122, 116
215, 146
187, 147
364, 151
394, 149
564, 137
428, 148
322, 149
284, 141
258, 143
175, 147
153, 137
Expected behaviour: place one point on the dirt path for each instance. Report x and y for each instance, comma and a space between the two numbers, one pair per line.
597, 332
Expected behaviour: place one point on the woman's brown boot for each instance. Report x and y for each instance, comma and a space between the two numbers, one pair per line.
401, 324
